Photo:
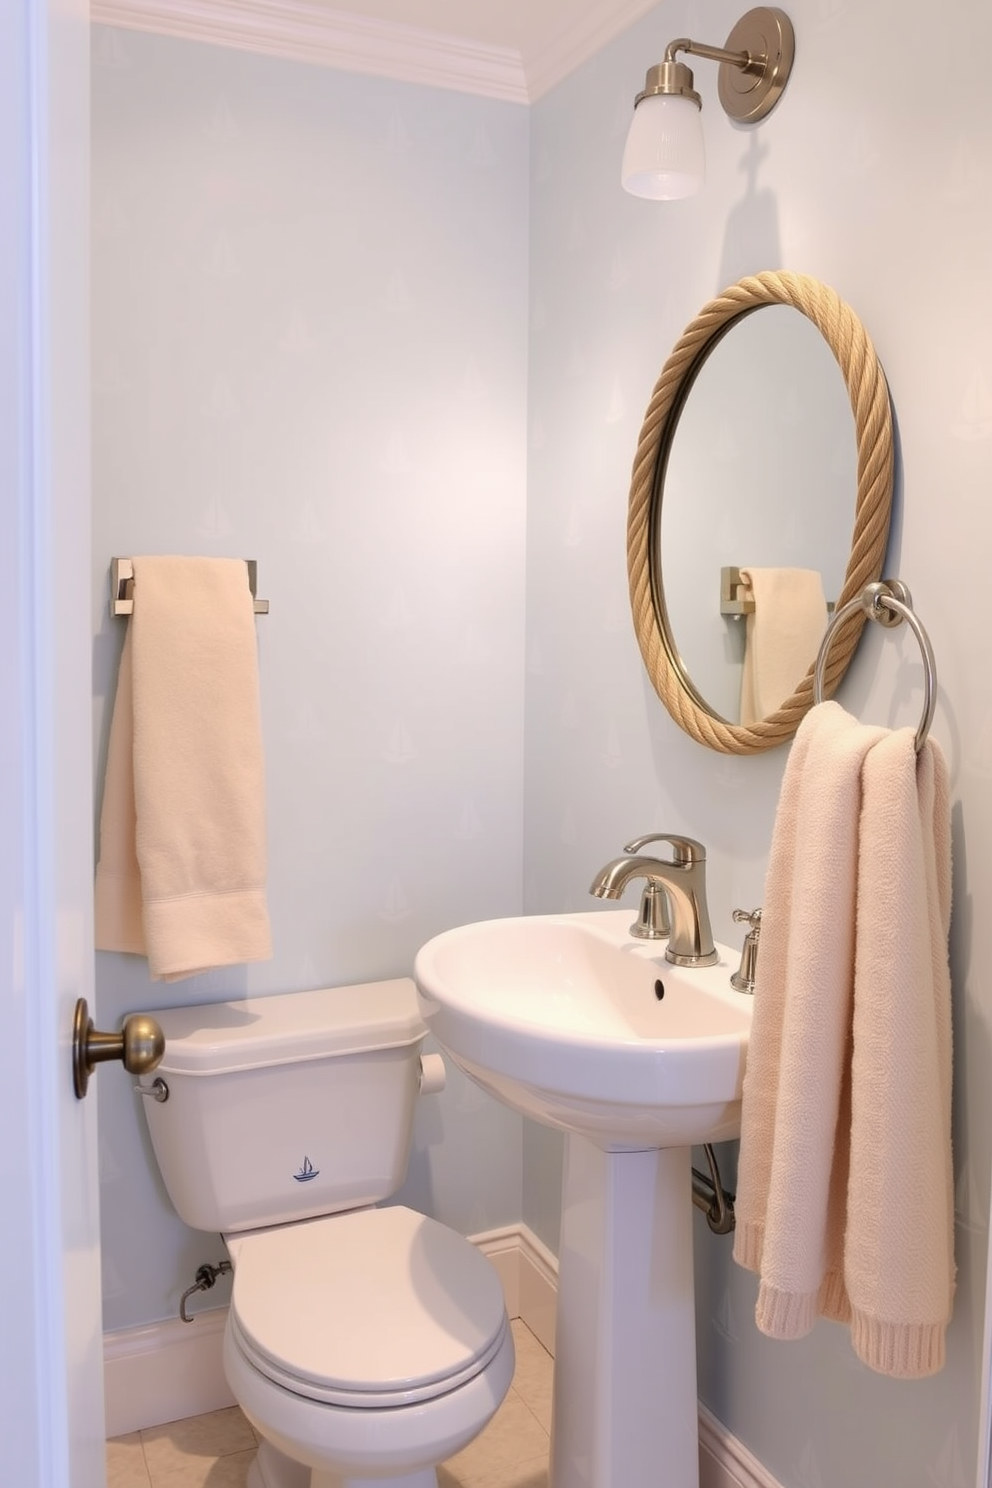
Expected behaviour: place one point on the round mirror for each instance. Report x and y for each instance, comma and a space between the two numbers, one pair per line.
760, 469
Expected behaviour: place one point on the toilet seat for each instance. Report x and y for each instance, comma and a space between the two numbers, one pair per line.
373, 1309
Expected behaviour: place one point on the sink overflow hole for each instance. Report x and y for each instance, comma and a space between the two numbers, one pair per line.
659, 989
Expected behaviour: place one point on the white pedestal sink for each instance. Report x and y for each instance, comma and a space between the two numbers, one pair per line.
571, 1021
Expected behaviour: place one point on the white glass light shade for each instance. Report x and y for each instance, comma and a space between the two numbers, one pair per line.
664, 157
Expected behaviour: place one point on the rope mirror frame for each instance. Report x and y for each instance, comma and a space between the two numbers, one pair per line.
869, 397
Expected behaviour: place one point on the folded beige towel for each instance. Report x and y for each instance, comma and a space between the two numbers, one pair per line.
848, 1074
181, 876
784, 632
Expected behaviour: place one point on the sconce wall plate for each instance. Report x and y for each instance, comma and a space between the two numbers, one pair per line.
767, 33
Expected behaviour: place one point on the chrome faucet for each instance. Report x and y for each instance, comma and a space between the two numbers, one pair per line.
684, 882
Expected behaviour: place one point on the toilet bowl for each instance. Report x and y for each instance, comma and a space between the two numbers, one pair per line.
365, 1344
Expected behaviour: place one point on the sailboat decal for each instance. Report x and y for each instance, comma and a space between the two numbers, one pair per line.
307, 1172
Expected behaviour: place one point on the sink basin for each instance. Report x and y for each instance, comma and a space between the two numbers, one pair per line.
570, 1020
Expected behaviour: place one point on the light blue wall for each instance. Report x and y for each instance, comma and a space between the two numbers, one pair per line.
310, 300
317, 342
853, 181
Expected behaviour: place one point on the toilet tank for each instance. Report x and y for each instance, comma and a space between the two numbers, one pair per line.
283, 1108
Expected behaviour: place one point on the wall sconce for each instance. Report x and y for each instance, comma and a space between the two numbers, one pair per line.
664, 157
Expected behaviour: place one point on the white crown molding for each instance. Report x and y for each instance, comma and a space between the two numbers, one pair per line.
307, 31
560, 53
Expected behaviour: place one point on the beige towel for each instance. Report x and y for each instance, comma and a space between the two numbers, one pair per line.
848, 1072
792, 1173
899, 1248
784, 632
181, 876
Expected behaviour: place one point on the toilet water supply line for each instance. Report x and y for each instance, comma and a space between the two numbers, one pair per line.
206, 1275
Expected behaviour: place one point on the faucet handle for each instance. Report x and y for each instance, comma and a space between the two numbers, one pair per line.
745, 917
685, 850
743, 978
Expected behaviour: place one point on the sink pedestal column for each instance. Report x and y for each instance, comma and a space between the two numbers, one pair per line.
625, 1411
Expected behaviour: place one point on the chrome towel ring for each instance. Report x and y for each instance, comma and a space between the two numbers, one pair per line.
889, 602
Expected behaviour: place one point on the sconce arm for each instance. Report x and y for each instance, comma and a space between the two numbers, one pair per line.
754, 65
744, 60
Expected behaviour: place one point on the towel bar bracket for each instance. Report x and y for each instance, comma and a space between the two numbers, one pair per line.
122, 587
736, 599
872, 599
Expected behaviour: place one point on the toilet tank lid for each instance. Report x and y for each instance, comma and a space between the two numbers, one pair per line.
249, 1033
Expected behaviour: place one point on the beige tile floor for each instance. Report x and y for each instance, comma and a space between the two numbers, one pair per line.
214, 1451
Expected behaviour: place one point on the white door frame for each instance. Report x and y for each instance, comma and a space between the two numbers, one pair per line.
51, 1404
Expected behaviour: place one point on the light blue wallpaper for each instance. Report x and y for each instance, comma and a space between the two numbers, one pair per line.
309, 328
847, 181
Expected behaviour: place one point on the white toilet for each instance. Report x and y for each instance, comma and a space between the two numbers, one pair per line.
366, 1345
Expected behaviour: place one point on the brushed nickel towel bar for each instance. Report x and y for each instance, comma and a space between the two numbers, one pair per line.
736, 599
122, 587
889, 602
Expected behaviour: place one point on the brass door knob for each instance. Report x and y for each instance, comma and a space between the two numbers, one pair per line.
139, 1046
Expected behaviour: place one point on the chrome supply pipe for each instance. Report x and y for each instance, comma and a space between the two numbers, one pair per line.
709, 1195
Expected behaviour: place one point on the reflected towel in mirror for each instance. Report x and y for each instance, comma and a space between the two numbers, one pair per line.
784, 632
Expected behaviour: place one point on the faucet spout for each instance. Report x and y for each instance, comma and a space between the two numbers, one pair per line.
684, 883
611, 881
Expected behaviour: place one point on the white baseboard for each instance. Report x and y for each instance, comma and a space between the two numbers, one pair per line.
529, 1273
724, 1462
165, 1371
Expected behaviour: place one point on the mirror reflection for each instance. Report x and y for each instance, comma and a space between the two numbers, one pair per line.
761, 472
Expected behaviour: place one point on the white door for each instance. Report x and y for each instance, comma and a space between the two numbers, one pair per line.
51, 1398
